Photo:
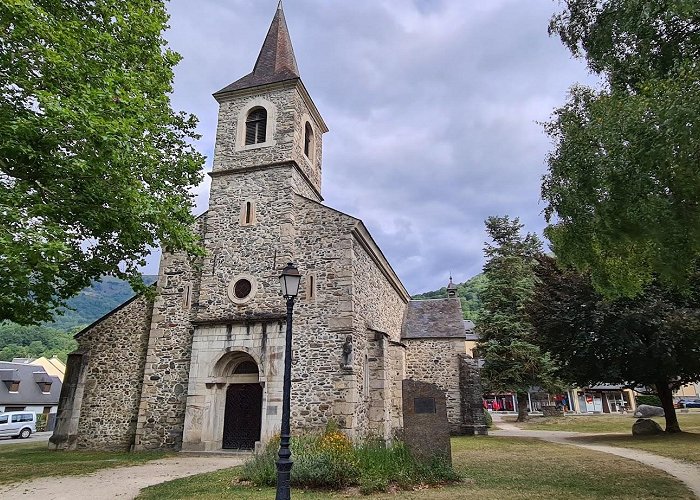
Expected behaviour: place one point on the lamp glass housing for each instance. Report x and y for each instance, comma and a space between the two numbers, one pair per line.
289, 281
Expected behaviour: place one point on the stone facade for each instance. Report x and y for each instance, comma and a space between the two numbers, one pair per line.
473, 419
217, 325
436, 361
107, 374
433, 332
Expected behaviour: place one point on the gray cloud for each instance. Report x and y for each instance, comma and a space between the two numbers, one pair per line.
432, 104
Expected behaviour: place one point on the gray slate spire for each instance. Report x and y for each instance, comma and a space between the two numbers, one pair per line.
276, 61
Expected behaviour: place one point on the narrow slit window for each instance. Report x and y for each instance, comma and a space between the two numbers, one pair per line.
187, 297
248, 212
255, 126
312, 285
308, 140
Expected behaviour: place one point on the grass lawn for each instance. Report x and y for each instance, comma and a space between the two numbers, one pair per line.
22, 462
684, 446
493, 467
689, 422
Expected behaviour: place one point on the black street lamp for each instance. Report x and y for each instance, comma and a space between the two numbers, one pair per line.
289, 280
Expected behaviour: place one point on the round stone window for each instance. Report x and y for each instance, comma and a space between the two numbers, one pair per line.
242, 289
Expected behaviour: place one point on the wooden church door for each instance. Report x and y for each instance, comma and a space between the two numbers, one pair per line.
242, 417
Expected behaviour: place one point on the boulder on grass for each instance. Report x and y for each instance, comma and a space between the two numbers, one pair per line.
646, 427
646, 411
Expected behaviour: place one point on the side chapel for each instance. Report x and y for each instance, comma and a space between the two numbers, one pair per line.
201, 367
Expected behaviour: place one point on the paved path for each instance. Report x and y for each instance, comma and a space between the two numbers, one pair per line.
37, 437
686, 472
121, 482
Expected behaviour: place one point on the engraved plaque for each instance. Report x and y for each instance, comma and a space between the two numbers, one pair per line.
424, 405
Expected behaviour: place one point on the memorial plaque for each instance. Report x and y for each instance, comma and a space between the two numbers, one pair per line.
426, 430
424, 405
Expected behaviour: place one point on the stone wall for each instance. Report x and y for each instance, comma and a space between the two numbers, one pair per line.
378, 310
166, 371
436, 361
473, 420
115, 348
288, 111
323, 389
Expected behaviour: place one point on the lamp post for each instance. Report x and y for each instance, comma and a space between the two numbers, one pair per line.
289, 281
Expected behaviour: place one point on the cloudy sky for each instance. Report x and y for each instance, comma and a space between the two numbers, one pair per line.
432, 107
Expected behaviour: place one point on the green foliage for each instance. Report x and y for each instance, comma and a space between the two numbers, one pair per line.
18, 341
468, 293
511, 362
648, 399
95, 166
509, 281
56, 338
623, 187
94, 302
516, 366
330, 461
41, 422
651, 340
488, 418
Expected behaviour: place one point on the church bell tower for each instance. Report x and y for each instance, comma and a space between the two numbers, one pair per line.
267, 118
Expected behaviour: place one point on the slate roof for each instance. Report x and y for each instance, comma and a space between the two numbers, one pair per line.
470, 332
436, 318
276, 61
29, 392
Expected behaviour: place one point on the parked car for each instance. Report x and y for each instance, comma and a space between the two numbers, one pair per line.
689, 403
17, 424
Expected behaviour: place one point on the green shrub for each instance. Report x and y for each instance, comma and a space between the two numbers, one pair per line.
329, 460
488, 418
41, 422
648, 399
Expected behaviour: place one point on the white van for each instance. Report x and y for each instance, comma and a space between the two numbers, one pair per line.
17, 424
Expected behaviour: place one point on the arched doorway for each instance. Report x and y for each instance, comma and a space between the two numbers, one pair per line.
243, 413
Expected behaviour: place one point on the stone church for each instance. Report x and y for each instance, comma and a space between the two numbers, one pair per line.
201, 367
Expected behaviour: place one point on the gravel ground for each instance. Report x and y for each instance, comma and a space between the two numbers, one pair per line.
122, 482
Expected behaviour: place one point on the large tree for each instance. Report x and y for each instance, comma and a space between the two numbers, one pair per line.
511, 362
650, 340
623, 187
95, 166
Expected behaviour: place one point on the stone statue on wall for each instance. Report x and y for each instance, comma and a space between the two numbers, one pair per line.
347, 353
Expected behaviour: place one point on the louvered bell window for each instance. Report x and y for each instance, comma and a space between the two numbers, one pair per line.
308, 140
255, 126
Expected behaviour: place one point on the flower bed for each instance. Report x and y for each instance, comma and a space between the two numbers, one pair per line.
329, 460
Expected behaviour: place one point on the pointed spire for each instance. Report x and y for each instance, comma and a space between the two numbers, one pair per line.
276, 61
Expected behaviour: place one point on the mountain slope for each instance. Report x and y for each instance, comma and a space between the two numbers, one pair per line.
468, 293
94, 302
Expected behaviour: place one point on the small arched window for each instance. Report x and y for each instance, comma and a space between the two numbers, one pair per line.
255, 126
308, 139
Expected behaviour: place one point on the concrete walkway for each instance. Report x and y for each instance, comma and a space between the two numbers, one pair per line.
121, 482
688, 473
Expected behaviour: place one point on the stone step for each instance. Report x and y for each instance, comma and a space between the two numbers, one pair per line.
217, 453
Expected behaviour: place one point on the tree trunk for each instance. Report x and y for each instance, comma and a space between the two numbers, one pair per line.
666, 396
522, 406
